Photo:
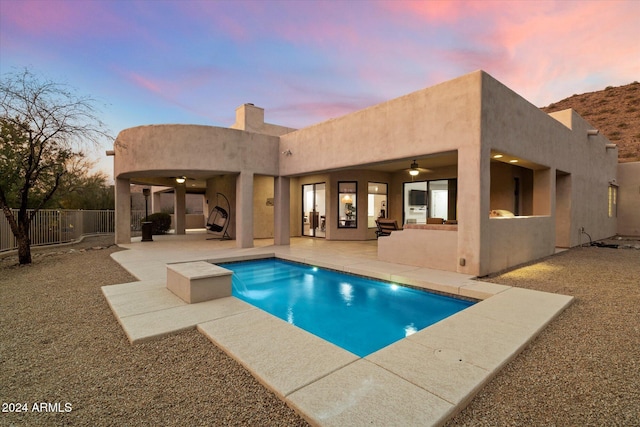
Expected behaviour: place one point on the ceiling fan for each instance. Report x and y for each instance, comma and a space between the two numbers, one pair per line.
415, 169
181, 179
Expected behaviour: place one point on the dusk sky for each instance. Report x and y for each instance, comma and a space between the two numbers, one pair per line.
190, 61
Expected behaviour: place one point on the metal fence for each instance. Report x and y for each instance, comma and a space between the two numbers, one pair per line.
51, 226
136, 222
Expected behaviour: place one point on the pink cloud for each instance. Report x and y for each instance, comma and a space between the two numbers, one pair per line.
147, 83
308, 113
317, 24
183, 91
218, 17
318, 109
55, 17
576, 40
431, 11
532, 45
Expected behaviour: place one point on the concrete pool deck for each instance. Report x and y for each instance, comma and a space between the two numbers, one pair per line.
420, 380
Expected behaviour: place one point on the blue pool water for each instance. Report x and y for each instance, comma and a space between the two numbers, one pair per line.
358, 314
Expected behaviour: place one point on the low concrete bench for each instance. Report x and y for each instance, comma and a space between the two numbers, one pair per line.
198, 281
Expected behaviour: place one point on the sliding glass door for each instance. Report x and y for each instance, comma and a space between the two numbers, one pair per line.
313, 210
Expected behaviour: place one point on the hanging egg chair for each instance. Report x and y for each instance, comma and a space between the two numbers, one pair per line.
218, 220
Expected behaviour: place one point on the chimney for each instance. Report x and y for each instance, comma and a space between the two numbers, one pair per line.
249, 118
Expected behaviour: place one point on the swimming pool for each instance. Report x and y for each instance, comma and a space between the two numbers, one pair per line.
359, 314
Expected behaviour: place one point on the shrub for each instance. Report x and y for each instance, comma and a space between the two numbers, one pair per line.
161, 222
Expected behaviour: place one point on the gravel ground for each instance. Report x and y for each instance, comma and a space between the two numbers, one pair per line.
584, 368
60, 343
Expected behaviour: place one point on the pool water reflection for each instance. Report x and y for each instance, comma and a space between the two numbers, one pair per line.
359, 314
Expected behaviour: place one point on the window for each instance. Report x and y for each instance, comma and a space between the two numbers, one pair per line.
376, 203
429, 199
613, 201
347, 196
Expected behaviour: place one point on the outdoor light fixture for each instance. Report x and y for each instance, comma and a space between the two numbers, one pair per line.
592, 132
181, 179
413, 171
497, 156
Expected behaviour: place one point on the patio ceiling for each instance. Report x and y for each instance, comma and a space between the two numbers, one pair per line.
427, 162
499, 156
197, 180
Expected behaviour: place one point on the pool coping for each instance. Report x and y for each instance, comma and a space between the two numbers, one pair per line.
423, 379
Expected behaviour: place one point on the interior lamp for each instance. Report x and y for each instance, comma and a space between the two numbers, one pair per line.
347, 199
413, 171
181, 179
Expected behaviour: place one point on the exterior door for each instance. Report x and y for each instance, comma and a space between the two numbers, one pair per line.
313, 210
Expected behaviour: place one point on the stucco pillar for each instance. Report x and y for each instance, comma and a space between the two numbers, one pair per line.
156, 205
244, 210
282, 208
179, 211
123, 210
473, 209
542, 191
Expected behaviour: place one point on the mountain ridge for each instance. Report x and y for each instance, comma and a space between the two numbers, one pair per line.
615, 111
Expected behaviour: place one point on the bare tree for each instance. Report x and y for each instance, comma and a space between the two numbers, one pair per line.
43, 127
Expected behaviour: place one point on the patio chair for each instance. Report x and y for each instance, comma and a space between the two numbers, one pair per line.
218, 219
386, 226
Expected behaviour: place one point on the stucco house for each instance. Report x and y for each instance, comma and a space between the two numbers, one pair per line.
498, 183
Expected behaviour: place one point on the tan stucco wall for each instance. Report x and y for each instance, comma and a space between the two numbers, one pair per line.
629, 199
263, 218
563, 210
123, 210
435, 249
191, 221
512, 125
513, 241
187, 149
437, 119
592, 167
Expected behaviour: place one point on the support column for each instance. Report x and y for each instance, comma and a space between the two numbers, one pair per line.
244, 210
543, 194
123, 210
473, 209
179, 211
282, 209
156, 204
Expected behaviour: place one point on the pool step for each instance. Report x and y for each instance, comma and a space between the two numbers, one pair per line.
198, 281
